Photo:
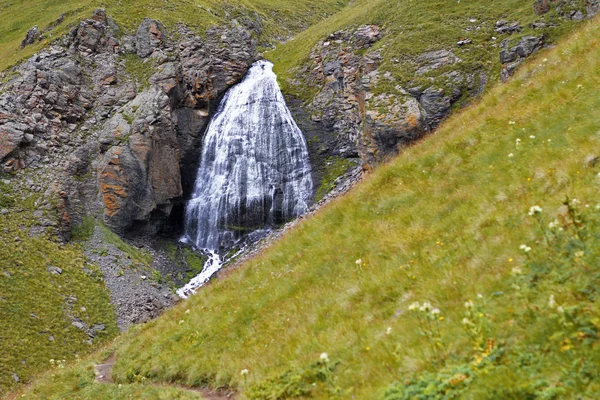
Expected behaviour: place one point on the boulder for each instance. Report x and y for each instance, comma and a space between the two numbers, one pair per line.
10, 138
33, 35
149, 37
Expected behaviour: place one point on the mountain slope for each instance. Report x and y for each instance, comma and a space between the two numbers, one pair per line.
444, 223
279, 19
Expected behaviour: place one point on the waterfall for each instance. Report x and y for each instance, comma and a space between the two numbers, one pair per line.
254, 169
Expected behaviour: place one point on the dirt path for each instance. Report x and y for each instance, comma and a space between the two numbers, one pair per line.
104, 371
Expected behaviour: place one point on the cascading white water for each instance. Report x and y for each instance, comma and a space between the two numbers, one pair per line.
254, 170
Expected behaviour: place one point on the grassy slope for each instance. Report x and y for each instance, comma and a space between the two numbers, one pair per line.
413, 27
37, 307
441, 223
280, 17
25, 347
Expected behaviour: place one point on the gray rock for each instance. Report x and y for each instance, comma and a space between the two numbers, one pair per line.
435, 103
435, 59
367, 35
513, 57
149, 37
528, 45
592, 7
54, 270
16, 378
78, 324
506, 27
33, 35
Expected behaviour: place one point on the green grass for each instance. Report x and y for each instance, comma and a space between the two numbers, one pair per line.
140, 70
137, 255
334, 168
280, 17
37, 307
441, 223
413, 27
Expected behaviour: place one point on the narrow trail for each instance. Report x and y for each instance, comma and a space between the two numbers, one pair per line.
104, 376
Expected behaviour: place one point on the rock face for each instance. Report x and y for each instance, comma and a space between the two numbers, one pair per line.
513, 57
115, 139
363, 123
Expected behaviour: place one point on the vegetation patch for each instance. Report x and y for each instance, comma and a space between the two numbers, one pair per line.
140, 70
333, 168
54, 306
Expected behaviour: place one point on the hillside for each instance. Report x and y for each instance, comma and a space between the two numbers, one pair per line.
276, 20
490, 225
66, 281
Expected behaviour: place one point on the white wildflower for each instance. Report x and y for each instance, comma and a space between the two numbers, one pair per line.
516, 271
579, 254
532, 137
469, 304
414, 306
479, 296
535, 210
388, 331
525, 248
551, 302
435, 311
244, 372
554, 224
426, 307
511, 155
560, 309
187, 311
466, 321
511, 122
359, 262
518, 141
324, 357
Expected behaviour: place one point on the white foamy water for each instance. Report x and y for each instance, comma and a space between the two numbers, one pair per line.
254, 170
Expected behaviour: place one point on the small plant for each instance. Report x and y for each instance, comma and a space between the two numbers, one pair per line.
303, 382
156, 276
429, 323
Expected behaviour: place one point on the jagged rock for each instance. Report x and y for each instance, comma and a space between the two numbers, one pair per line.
149, 37
592, 7
54, 270
435, 103
91, 34
513, 57
33, 35
10, 138
73, 108
504, 26
434, 60
366, 35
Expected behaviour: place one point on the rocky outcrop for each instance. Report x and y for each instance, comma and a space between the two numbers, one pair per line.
568, 9
78, 114
33, 35
512, 57
362, 118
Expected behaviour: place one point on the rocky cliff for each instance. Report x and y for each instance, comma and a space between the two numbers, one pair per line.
365, 96
110, 120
